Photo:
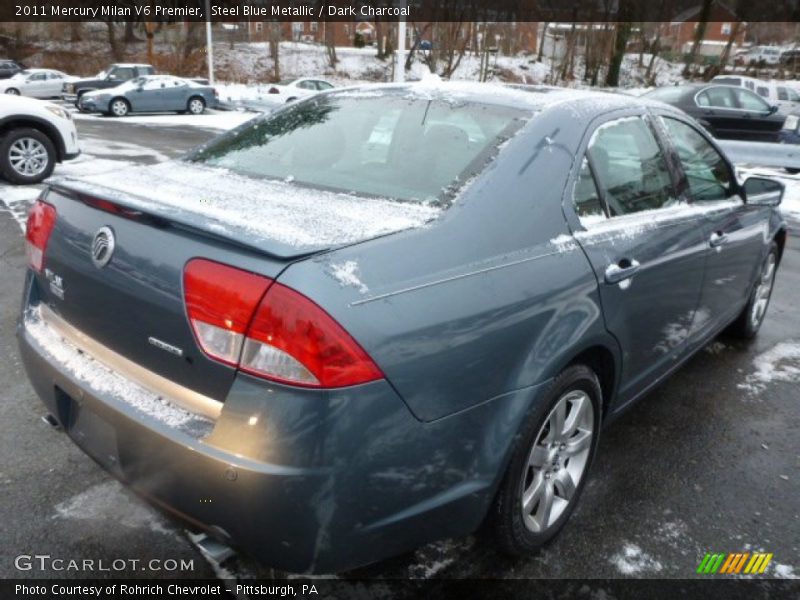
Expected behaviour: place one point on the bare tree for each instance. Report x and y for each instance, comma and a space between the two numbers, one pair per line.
330, 45
699, 35
113, 41
275, 34
623, 32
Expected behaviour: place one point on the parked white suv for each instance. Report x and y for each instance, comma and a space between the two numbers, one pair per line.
34, 136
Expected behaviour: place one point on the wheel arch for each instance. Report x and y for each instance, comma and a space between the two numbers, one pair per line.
10, 123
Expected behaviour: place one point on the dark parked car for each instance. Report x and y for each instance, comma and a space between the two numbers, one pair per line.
327, 358
155, 93
113, 76
727, 112
9, 68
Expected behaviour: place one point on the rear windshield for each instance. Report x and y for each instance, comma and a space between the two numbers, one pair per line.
728, 80
392, 145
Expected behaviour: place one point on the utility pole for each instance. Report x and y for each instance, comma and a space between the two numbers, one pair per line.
210, 44
400, 55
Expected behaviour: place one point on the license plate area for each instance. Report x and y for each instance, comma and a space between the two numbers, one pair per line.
92, 433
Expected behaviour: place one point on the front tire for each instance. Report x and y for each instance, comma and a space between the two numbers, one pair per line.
749, 321
26, 156
12, 92
119, 107
549, 467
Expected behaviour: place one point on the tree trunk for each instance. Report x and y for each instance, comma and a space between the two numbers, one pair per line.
113, 42
649, 76
275, 34
330, 45
149, 31
75, 31
699, 34
726, 53
541, 41
130, 36
620, 44
379, 39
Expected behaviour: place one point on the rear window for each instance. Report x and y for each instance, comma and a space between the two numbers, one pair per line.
728, 80
392, 145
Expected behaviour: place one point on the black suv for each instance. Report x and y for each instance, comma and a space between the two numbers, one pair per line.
9, 68
111, 77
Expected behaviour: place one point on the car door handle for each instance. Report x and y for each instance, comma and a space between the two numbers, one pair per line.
622, 270
717, 239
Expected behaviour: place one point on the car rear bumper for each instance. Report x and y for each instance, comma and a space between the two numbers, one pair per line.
304, 481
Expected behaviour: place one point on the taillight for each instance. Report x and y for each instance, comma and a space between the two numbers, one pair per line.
279, 335
41, 220
293, 340
220, 302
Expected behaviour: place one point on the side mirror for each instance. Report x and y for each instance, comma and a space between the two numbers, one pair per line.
773, 109
761, 191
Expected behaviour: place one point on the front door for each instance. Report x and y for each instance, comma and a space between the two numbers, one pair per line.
734, 230
646, 247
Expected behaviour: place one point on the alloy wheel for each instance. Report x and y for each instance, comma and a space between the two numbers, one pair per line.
28, 157
196, 106
119, 108
763, 291
557, 461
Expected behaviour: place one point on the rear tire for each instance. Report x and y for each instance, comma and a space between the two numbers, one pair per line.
119, 107
549, 468
196, 105
26, 156
749, 321
12, 92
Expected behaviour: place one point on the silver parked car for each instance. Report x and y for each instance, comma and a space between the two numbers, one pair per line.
153, 93
37, 83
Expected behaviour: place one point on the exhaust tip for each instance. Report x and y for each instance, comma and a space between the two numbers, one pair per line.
212, 548
52, 421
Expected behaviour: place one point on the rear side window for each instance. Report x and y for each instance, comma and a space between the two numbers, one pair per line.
630, 167
782, 93
707, 173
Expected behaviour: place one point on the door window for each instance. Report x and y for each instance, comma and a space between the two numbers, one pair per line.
720, 97
307, 85
706, 171
630, 167
37, 77
782, 93
749, 101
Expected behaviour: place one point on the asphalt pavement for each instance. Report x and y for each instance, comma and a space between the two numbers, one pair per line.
709, 462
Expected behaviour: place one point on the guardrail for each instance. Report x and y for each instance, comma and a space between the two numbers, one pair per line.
762, 154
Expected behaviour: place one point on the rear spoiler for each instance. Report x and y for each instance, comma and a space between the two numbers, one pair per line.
762, 154
148, 214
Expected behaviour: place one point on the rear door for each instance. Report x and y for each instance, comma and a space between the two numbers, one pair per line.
734, 230
645, 247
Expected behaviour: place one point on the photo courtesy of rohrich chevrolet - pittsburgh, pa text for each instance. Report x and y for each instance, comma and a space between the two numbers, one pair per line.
400, 299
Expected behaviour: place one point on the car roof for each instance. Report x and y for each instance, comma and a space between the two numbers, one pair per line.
536, 98
131, 65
